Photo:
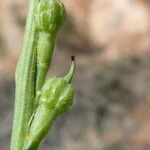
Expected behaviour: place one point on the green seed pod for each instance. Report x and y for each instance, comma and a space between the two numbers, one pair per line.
49, 17
55, 98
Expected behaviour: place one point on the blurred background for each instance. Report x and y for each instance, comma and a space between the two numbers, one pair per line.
111, 42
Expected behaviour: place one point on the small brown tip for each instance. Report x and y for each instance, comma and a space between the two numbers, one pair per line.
72, 58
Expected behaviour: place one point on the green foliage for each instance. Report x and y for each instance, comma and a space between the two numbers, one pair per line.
38, 103
55, 98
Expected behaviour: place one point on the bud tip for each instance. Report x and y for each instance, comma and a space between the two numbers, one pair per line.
72, 58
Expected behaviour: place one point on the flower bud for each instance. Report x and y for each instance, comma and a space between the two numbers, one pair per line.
49, 15
57, 94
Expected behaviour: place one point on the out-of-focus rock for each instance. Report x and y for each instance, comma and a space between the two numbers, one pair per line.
12, 16
118, 26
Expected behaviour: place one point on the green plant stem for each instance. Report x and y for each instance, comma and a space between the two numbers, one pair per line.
33, 140
45, 47
44, 19
25, 77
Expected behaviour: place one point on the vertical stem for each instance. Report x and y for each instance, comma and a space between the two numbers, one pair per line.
25, 80
28, 73
45, 47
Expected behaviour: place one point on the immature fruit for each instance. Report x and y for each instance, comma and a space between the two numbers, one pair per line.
55, 98
57, 94
49, 15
